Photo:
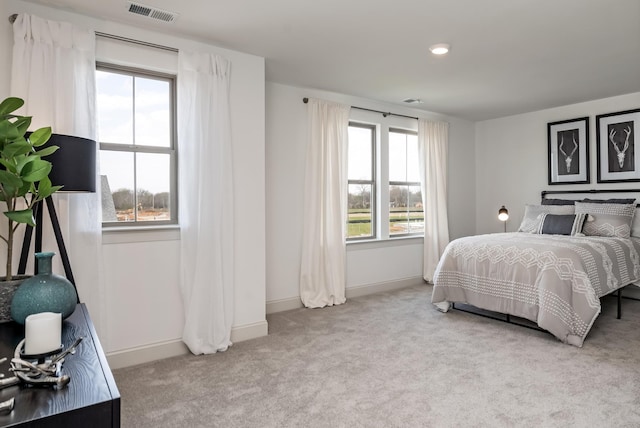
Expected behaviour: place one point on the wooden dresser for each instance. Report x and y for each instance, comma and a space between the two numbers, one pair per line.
90, 400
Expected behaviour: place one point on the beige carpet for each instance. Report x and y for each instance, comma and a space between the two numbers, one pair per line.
393, 360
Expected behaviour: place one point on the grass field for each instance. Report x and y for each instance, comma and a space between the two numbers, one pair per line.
360, 221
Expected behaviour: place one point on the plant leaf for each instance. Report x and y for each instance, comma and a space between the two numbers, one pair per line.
23, 123
10, 105
36, 170
16, 148
44, 188
9, 190
20, 162
47, 151
40, 136
8, 165
8, 131
22, 216
10, 179
24, 189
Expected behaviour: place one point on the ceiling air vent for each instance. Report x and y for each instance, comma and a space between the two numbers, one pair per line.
152, 12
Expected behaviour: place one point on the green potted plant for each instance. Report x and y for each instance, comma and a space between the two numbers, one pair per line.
24, 175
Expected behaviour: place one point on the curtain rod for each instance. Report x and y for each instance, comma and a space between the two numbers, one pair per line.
12, 19
136, 42
384, 113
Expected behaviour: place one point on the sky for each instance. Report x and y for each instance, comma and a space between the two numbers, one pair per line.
403, 155
121, 104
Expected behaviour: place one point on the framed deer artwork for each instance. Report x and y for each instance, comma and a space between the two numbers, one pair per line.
568, 151
618, 155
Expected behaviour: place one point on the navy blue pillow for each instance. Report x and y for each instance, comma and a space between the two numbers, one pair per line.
562, 224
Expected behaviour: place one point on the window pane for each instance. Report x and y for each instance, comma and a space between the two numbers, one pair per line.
115, 107
360, 153
117, 167
398, 210
153, 186
406, 214
416, 210
153, 112
413, 165
359, 218
403, 157
397, 156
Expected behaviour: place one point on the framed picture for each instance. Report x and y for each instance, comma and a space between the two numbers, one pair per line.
618, 156
569, 151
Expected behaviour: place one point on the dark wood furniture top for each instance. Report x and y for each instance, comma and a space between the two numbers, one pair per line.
91, 399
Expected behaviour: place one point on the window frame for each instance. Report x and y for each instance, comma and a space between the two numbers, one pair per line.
135, 149
398, 130
372, 183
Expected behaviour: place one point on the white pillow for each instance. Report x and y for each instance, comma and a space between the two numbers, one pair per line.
532, 219
612, 220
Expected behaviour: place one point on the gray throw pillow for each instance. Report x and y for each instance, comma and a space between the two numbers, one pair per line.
635, 224
607, 219
532, 220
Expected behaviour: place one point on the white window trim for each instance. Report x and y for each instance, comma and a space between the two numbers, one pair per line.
172, 150
383, 125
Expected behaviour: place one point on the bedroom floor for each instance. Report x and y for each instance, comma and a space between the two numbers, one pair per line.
393, 360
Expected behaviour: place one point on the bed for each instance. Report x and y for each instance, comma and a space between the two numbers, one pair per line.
554, 280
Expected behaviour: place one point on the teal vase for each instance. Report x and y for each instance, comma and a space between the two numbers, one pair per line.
44, 292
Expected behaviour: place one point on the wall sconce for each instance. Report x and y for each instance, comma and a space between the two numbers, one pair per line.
503, 215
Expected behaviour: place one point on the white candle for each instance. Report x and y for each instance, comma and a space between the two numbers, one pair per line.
43, 333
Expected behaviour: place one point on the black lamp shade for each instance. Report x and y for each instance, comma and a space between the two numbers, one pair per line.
74, 163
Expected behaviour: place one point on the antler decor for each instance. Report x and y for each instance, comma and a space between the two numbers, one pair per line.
42, 373
568, 157
621, 153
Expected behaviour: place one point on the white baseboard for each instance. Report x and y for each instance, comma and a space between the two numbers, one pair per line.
379, 287
145, 354
249, 331
282, 305
174, 348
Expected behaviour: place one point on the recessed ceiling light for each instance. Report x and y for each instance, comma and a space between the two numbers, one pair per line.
439, 49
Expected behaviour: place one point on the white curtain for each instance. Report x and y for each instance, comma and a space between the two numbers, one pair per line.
206, 201
433, 143
322, 268
53, 70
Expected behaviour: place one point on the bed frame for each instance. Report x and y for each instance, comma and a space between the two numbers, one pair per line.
463, 307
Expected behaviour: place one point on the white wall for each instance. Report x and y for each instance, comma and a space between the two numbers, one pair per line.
511, 159
142, 305
368, 264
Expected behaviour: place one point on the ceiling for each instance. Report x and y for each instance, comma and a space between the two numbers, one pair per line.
507, 56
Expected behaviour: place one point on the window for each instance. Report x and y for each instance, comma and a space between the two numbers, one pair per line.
361, 175
406, 215
136, 128
385, 196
